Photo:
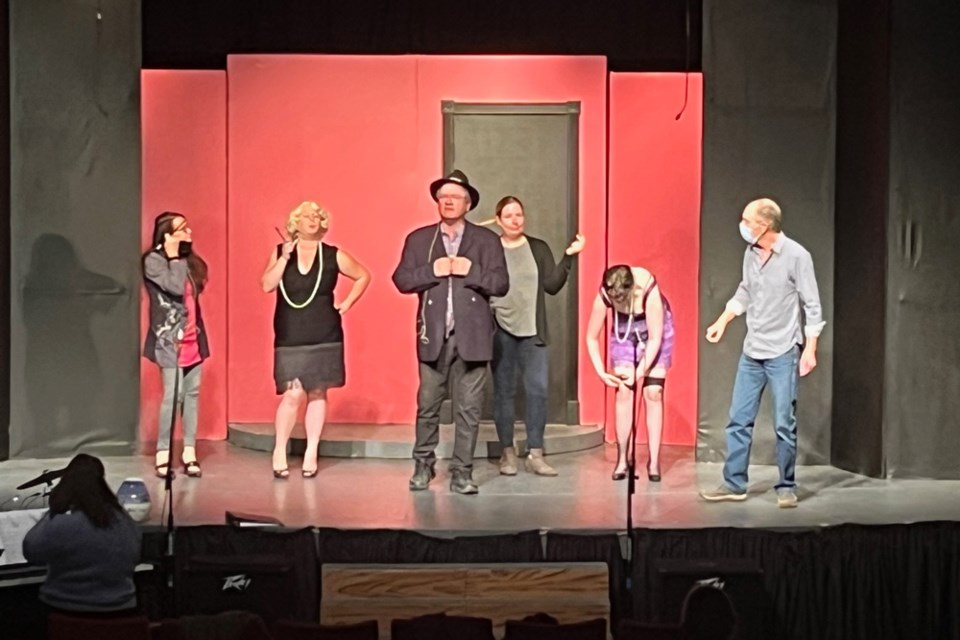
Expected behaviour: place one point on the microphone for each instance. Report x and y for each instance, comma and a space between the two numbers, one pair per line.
46, 477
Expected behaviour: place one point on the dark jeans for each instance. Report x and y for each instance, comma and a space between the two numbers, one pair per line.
467, 378
528, 356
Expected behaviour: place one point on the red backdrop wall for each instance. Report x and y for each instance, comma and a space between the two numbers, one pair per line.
184, 135
655, 161
362, 135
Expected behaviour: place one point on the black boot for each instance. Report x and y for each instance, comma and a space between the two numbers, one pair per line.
423, 473
461, 481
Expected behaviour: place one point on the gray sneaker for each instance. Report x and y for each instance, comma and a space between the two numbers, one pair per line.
723, 493
786, 498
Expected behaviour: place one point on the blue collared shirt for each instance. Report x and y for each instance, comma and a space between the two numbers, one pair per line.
773, 294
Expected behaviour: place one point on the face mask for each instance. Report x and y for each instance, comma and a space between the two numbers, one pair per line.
185, 249
746, 234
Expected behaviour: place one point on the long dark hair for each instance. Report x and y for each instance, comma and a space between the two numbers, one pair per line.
162, 225
84, 488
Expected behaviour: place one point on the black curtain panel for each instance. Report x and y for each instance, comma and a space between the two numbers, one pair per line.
571, 547
897, 383
641, 35
848, 582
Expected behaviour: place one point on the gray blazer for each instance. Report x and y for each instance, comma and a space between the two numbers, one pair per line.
471, 293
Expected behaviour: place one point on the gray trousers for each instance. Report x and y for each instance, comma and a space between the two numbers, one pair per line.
467, 381
189, 393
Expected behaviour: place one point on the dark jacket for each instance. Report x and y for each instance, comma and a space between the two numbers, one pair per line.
550, 279
165, 280
471, 293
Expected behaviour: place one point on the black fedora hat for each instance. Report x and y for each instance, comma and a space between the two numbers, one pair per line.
459, 178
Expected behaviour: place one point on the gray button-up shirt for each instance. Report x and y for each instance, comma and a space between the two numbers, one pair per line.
772, 294
451, 245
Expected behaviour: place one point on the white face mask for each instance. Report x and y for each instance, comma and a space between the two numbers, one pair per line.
746, 234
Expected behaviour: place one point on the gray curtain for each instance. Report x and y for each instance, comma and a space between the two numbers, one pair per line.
75, 226
769, 130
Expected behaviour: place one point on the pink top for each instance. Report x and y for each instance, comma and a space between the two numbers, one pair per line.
190, 347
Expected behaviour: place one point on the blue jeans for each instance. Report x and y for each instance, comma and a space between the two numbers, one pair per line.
528, 356
782, 374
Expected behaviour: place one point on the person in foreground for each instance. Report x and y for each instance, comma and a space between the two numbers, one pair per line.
174, 276
641, 349
521, 339
88, 543
777, 286
307, 327
454, 267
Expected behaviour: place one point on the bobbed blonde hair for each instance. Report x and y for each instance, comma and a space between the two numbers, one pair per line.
307, 206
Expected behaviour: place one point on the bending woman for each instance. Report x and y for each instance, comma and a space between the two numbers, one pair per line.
641, 349
307, 327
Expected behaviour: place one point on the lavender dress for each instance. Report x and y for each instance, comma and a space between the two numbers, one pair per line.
629, 334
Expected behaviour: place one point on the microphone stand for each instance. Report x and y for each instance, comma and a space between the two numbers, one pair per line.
631, 476
168, 478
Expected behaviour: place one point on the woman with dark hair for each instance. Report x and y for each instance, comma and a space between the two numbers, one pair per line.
521, 338
88, 543
641, 351
174, 276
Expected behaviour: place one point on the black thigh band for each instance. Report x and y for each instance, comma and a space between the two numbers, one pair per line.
653, 382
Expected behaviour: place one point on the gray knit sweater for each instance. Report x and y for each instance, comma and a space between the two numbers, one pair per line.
88, 569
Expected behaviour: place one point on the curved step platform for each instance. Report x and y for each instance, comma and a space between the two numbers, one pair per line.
396, 440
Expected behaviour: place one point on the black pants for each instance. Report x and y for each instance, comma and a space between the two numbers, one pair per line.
435, 378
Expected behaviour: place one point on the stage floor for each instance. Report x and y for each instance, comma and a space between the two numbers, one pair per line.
372, 493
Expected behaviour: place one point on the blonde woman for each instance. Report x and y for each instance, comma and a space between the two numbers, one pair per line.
307, 326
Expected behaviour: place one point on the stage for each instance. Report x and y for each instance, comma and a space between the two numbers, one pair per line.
368, 493
858, 558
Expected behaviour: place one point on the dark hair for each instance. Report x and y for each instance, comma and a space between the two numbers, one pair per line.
504, 201
162, 225
84, 488
618, 283
708, 613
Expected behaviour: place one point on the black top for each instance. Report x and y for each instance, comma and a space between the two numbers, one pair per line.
318, 322
552, 276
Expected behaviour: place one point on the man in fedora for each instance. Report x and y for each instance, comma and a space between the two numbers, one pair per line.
454, 267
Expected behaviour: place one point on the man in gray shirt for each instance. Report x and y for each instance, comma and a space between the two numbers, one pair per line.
778, 283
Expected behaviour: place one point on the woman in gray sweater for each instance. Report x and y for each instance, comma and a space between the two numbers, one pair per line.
520, 343
88, 543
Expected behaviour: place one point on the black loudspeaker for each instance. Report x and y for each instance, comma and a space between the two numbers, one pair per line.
270, 573
741, 580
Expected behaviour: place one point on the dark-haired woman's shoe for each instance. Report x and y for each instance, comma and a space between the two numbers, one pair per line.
192, 468
309, 473
281, 474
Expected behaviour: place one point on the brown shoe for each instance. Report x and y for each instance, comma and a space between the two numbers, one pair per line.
536, 464
508, 462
